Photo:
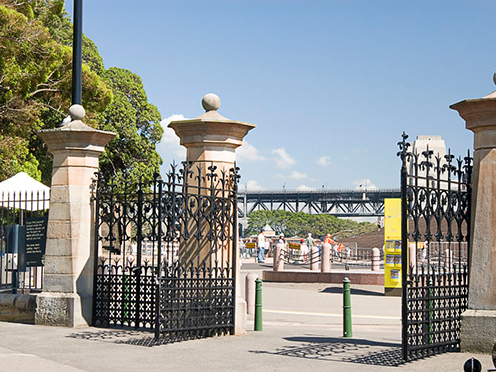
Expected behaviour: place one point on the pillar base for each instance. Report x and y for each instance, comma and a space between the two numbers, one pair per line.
240, 320
478, 330
63, 310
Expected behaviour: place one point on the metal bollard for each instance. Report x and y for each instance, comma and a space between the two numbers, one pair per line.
430, 313
258, 305
472, 365
347, 332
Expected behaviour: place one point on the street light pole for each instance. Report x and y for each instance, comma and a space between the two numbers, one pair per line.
77, 41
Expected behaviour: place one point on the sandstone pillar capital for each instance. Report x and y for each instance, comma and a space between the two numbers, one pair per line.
210, 136
76, 136
480, 117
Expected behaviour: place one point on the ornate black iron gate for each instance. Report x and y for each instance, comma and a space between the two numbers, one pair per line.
436, 193
165, 252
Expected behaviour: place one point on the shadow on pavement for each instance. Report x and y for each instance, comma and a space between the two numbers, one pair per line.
121, 336
342, 350
354, 291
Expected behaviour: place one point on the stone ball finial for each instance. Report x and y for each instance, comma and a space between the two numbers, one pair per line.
76, 112
211, 102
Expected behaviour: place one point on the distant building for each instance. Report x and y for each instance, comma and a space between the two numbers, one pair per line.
438, 147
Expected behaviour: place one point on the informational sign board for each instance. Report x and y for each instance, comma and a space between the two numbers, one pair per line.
392, 247
251, 245
296, 246
36, 228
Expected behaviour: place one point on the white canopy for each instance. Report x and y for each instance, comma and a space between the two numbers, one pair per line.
23, 192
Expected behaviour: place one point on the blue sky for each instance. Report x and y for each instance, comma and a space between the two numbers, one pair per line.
331, 85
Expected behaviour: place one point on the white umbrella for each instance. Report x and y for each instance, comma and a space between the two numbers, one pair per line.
23, 192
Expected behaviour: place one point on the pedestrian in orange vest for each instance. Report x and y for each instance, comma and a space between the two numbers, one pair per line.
328, 239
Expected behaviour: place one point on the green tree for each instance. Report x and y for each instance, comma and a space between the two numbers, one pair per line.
35, 93
301, 224
136, 123
35, 85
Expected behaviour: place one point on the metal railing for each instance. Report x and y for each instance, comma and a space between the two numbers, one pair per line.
355, 257
16, 273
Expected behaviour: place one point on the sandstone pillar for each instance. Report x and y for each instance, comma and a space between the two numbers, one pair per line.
314, 258
250, 287
68, 275
376, 259
478, 325
279, 253
325, 259
211, 139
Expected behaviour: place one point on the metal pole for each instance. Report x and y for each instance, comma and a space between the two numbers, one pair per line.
77, 52
258, 305
347, 331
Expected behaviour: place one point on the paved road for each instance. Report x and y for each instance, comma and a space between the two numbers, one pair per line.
302, 331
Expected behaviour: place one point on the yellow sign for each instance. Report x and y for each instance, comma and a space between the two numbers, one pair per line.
294, 246
392, 247
251, 245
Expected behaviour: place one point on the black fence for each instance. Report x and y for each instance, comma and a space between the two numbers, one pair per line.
165, 253
436, 194
21, 271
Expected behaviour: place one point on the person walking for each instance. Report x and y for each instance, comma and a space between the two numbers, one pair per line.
261, 247
328, 239
309, 241
304, 250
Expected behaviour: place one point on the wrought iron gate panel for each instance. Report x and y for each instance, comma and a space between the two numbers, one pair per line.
164, 253
436, 193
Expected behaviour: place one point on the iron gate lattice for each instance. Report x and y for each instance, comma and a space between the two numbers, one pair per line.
165, 252
436, 195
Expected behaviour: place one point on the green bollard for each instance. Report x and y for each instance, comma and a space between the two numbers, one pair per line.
430, 305
258, 305
347, 332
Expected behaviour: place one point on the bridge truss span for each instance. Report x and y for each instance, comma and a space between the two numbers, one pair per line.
340, 203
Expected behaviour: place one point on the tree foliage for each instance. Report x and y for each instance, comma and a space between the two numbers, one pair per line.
35, 84
291, 224
137, 126
35, 93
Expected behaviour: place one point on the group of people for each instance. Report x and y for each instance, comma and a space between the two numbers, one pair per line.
338, 249
263, 244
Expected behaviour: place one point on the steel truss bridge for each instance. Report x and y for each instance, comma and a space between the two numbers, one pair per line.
339, 203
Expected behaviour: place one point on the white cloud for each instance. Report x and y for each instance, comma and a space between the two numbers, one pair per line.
248, 152
364, 185
279, 175
323, 161
305, 188
360, 151
170, 141
283, 159
254, 186
297, 175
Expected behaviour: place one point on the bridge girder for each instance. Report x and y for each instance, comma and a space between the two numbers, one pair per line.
340, 203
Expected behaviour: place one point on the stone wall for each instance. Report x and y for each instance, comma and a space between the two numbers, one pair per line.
17, 308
